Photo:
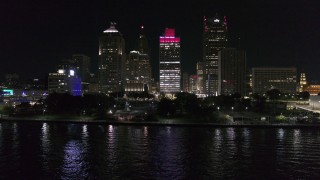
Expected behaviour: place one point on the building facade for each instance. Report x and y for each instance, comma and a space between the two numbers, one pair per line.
265, 78
169, 62
214, 40
111, 60
200, 69
82, 63
232, 72
137, 72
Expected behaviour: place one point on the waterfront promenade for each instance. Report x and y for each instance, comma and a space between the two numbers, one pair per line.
160, 122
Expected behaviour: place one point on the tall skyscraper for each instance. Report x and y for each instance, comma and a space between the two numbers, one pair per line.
214, 40
169, 62
232, 71
111, 60
137, 67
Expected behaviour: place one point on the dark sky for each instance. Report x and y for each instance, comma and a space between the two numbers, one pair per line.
36, 35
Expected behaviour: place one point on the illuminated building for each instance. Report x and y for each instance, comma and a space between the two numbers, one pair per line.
111, 60
232, 71
200, 74
283, 79
65, 80
313, 89
169, 62
137, 67
82, 63
193, 84
137, 72
214, 40
302, 82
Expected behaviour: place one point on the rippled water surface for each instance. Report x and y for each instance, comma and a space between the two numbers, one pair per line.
89, 151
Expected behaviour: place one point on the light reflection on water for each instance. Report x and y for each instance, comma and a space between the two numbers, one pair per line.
85, 151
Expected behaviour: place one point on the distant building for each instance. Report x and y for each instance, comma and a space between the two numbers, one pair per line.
12, 80
137, 67
313, 89
214, 39
265, 78
111, 60
137, 72
64, 81
82, 63
169, 62
185, 82
302, 82
232, 72
193, 84
200, 69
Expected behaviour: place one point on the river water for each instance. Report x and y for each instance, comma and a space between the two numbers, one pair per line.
31, 150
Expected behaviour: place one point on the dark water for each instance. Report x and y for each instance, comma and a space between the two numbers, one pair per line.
80, 151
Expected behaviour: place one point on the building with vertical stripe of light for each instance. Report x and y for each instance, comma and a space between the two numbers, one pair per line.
169, 62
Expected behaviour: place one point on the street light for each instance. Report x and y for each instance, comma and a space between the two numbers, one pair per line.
218, 108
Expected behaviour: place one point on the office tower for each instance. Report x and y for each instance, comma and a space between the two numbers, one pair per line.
265, 78
169, 62
82, 63
137, 72
185, 82
214, 40
111, 60
200, 74
232, 72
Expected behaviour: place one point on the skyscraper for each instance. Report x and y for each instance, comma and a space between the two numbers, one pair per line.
111, 60
137, 67
214, 40
169, 62
137, 72
232, 71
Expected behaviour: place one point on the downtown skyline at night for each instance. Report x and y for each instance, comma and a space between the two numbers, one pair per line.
140, 89
36, 36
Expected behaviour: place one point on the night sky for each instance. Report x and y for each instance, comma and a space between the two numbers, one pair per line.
36, 35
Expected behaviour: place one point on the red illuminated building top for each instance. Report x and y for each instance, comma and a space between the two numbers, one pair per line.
169, 36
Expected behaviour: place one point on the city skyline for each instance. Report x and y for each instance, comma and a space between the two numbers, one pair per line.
36, 36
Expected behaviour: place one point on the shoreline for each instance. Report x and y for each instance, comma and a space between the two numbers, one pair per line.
158, 123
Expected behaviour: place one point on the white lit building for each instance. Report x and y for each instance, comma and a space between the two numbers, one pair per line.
169, 63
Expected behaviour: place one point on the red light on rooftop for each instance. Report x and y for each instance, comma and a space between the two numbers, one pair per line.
169, 32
